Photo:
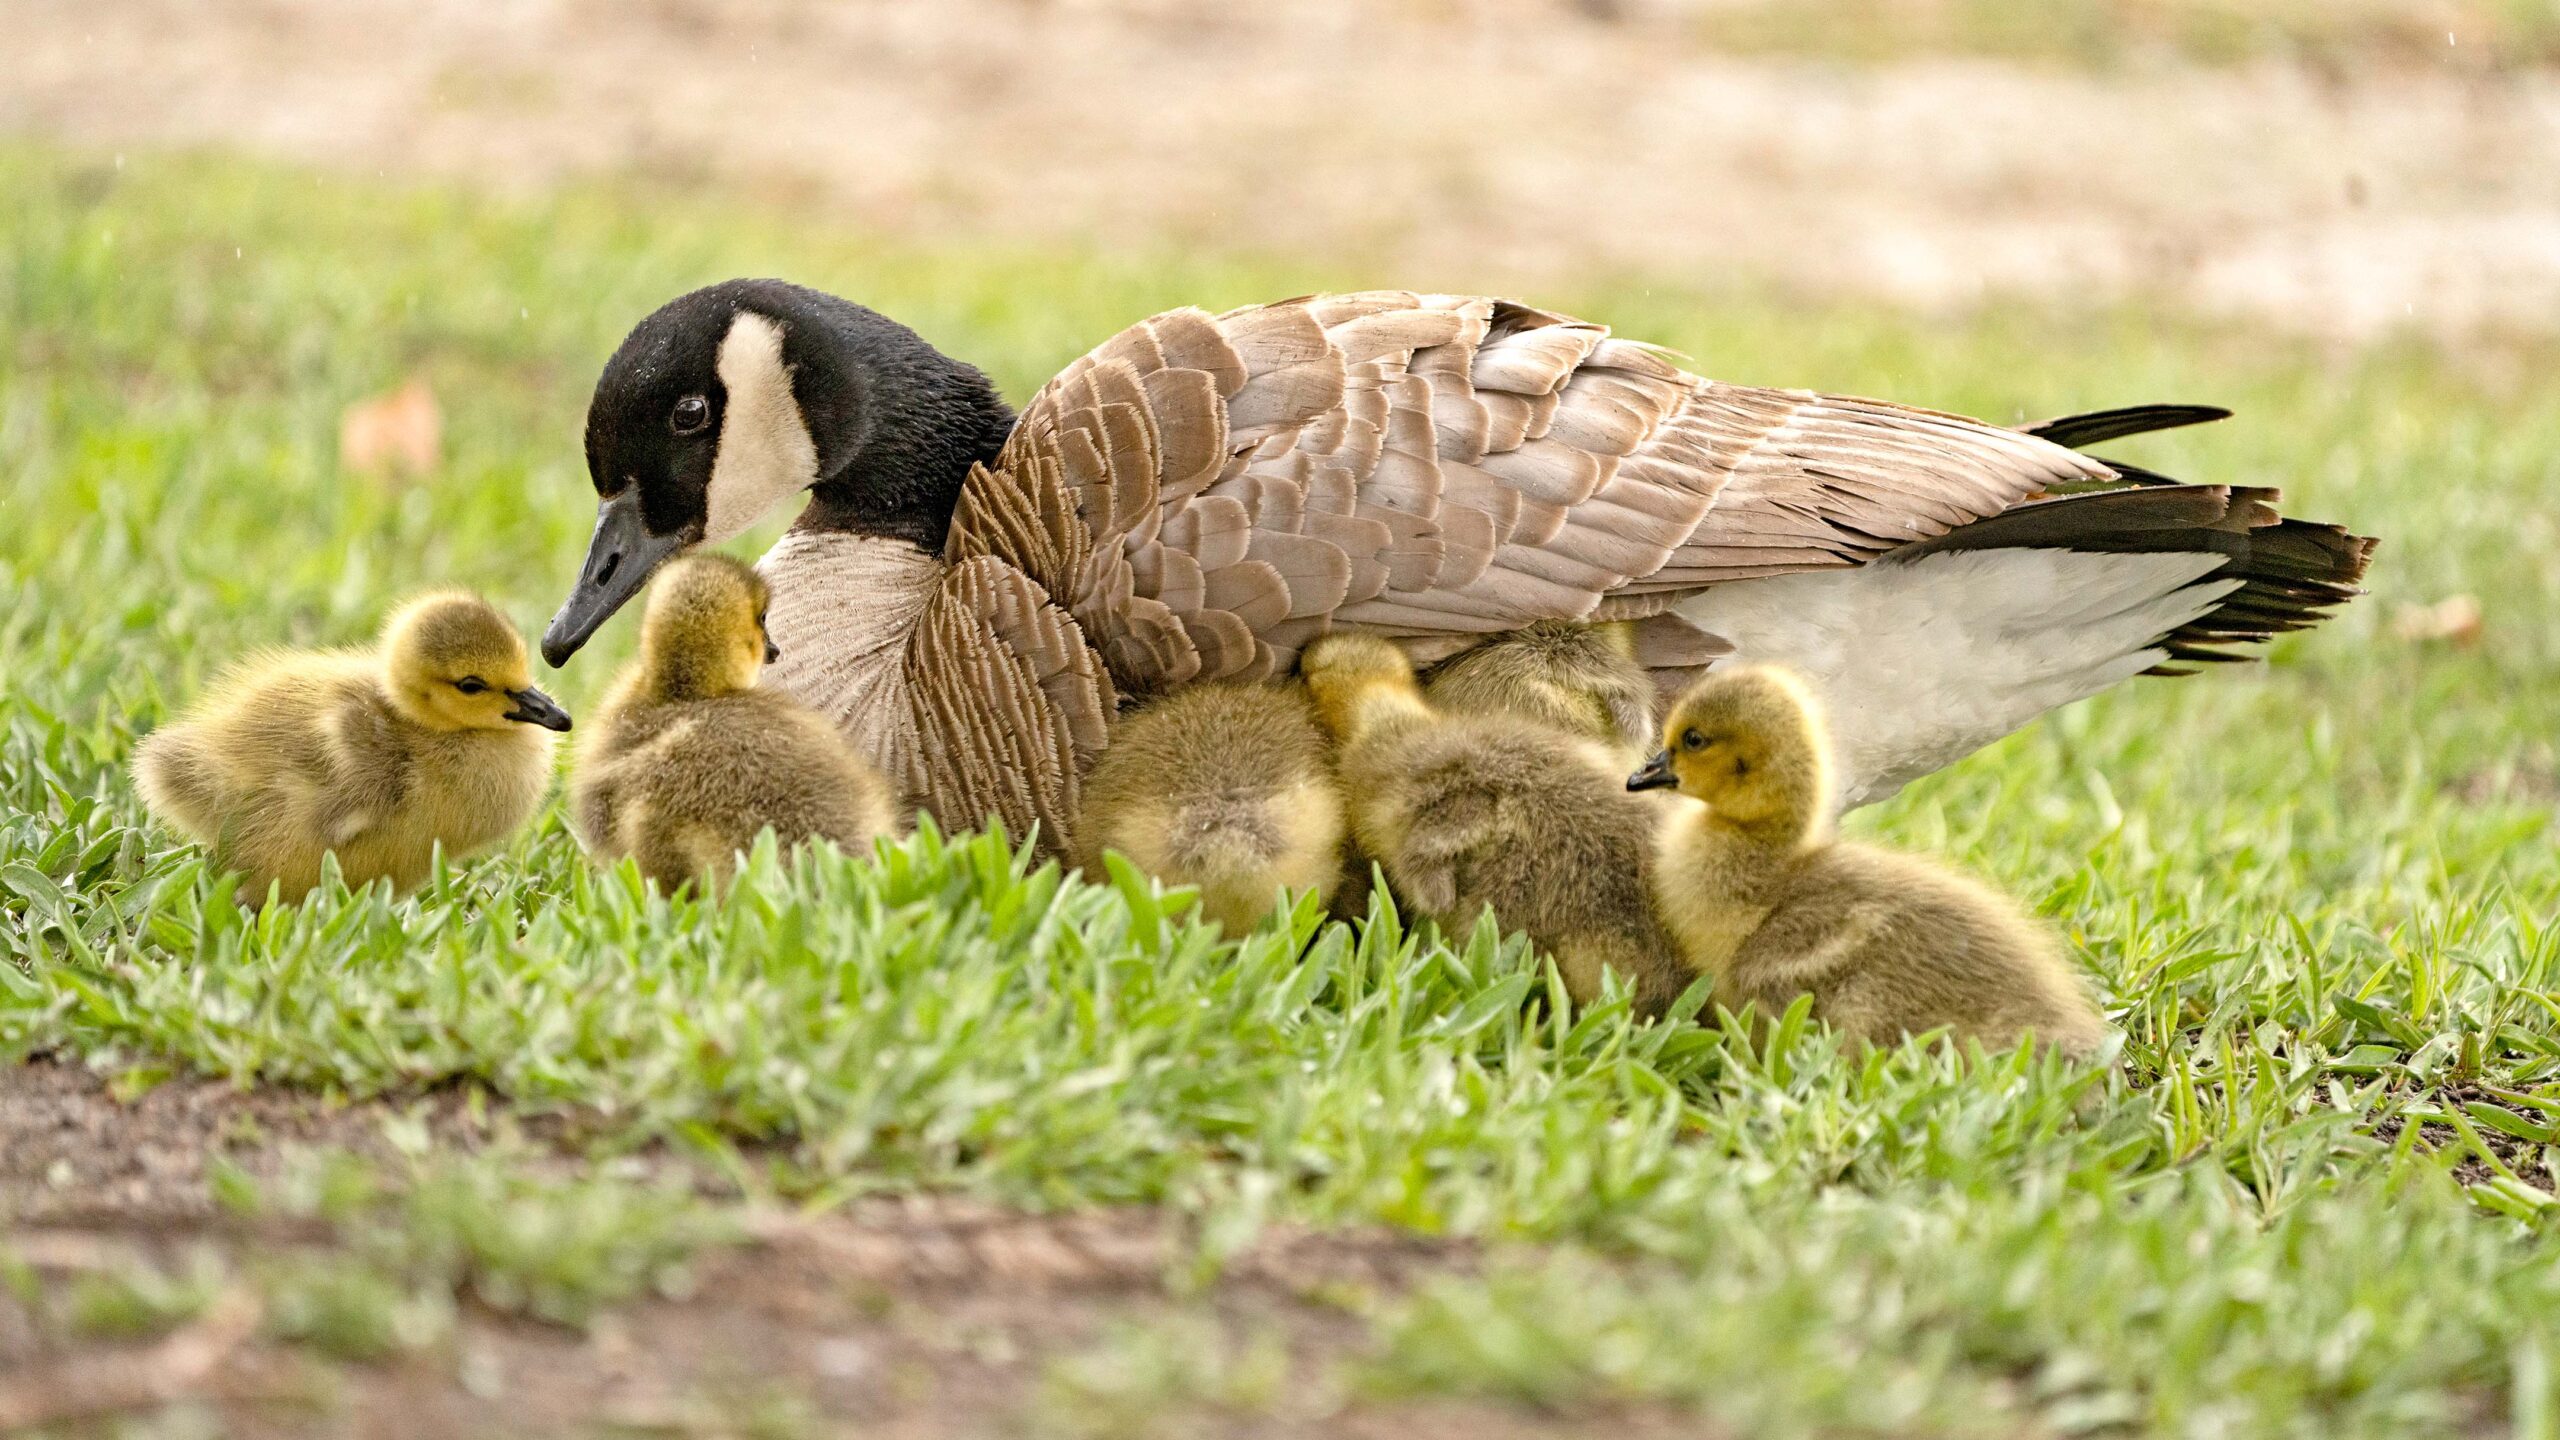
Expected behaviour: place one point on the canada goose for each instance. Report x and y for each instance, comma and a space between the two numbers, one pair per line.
1466, 812
439, 737
1763, 898
970, 596
1582, 679
1225, 787
687, 760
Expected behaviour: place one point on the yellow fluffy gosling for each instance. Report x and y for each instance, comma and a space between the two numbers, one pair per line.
1578, 678
1763, 898
1225, 787
437, 737
687, 761
1463, 812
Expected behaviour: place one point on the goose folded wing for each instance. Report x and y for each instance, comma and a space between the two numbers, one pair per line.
1018, 703
1205, 493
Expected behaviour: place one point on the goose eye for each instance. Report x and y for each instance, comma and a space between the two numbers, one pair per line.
690, 415
471, 685
1692, 739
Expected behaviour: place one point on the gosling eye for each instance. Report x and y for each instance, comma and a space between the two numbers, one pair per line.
471, 685
1692, 740
690, 415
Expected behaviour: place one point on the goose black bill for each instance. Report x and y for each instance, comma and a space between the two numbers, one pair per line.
620, 560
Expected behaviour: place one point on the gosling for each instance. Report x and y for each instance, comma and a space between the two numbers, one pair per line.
437, 738
1469, 812
1224, 787
687, 761
1766, 901
1581, 679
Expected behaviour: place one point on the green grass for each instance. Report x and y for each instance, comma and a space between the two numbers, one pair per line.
2319, 895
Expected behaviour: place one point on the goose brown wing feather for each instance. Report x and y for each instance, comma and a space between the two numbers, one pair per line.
1430, 463
1017, 702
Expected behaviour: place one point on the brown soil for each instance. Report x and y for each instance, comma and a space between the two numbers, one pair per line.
2521, 1156
72, 1151
918, 1317
1499, 144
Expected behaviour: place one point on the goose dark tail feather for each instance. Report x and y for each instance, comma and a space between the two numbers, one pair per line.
2097, 427
2292, 572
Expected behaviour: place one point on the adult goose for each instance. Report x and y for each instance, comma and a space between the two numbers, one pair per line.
974, 595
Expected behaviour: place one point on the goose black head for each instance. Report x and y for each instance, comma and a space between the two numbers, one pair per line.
726, 402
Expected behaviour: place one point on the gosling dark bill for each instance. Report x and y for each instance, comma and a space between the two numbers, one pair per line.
1656, 774
535, 708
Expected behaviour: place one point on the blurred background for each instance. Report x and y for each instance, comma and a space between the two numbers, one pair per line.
2339, 168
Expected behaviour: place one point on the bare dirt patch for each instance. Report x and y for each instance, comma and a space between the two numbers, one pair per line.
2481, 1108
71, 1150
1498, 144
921, 1316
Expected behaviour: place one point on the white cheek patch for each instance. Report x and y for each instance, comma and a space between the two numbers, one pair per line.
765, 454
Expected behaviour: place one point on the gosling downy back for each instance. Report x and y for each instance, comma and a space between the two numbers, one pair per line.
1469, 812
1581, 679
1226, 787
689, 761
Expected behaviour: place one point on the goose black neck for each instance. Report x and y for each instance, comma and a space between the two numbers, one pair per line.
897, 423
